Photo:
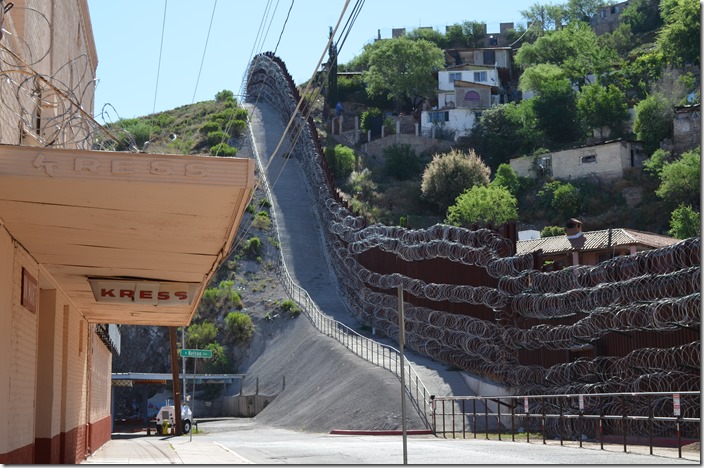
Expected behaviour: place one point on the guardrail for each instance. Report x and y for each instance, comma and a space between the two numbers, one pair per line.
583, 416
384, 356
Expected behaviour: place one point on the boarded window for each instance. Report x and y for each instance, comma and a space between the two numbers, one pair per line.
490, 55
472, 97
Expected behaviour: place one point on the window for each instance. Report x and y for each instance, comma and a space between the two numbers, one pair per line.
588, 159
472, 97
455, 76
434, 117
490, 55
480, 76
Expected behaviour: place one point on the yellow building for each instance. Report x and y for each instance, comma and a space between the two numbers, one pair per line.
87, 238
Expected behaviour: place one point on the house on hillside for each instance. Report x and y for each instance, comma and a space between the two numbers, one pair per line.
607, 18
687, 128
476, 80
606, 161
590, 248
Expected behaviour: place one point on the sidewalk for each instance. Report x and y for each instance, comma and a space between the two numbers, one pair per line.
140, 449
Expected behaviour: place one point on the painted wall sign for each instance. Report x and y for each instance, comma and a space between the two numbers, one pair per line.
143, 292
89, 165
30, 291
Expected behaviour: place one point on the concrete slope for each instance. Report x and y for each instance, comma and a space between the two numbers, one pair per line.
303, 253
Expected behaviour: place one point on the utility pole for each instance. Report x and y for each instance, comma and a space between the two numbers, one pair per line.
401, 339
176, 383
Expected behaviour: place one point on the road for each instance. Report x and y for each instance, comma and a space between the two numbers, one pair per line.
266, 445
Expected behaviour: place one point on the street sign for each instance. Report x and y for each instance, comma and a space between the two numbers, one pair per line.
198, 353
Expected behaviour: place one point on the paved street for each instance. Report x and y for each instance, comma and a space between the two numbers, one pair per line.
240, 441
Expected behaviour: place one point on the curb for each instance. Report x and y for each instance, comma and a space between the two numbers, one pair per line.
382, 432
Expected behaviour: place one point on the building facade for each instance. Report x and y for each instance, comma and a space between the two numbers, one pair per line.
88, 239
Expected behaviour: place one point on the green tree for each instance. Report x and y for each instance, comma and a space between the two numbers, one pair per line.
685, 222
218, 364
224, 95
543, 17
401, 161
566, 200
507, 178
635, 76
483, 205
680, 180
430, 35
653, 121
654, 164
450, 174
642, 16
240, 327
575, 49
402, 69
556, 111
583, 10
200, 334
599, 106
466, 34
534, 77
505, 131
679, 38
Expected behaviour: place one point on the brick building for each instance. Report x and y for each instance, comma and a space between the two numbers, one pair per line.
88, 239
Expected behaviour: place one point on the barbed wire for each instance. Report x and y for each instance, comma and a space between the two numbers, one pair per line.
650, 291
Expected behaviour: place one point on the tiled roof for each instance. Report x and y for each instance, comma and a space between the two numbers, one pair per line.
594, 240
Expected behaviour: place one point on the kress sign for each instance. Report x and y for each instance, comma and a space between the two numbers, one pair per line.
143, 292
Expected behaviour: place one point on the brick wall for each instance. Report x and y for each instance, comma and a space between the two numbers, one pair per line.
22, 357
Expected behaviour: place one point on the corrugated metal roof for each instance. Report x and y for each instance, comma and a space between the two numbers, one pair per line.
594, 240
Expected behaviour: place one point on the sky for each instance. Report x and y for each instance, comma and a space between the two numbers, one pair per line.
157, 55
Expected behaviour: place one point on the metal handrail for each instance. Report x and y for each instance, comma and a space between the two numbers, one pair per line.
384, 356
570, 417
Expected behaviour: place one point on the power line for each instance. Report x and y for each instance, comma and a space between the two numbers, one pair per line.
161, 48
204, 50
284, 26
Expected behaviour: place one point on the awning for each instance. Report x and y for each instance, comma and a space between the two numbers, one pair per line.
155, 225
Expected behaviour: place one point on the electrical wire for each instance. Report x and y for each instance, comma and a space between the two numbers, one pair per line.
207, 38
284, 26
161, 48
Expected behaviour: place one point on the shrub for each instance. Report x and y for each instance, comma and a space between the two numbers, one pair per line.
239, 325
566, 200
222, 295
224, 95
219, 363
262, 220
341, 160
253, 245
370, 117
223, 149
236, 127
552, 231
449, 175
288, 305
200, 334
216, 137
685, 223
208, 127
402, 162
483, 205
